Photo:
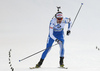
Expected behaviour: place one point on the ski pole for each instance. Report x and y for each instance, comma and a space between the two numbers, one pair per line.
77, 14
35, 53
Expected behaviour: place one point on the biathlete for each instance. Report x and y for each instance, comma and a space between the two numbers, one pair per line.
56, 33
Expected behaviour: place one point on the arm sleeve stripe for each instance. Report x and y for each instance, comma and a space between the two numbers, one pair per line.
51, 27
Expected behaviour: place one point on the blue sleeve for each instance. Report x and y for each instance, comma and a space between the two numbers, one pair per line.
66, 20
69, 25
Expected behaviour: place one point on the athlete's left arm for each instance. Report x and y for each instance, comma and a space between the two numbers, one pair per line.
68, 20
69, 23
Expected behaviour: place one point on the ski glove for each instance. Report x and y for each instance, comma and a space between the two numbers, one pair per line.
68, 32
58, 41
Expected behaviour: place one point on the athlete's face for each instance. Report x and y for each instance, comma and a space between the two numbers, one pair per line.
59, 20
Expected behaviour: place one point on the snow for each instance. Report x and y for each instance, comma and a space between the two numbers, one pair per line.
24, 27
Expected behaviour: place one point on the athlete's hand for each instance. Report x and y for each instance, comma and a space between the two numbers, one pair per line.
58, 41
68, 32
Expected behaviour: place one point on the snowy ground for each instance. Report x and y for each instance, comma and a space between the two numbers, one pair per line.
24, 29
77, 57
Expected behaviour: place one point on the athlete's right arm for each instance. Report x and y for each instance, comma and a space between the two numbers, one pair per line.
51, 31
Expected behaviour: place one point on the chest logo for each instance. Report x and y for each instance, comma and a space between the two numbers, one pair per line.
59, 26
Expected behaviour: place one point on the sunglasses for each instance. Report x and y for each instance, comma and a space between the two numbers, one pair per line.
59, 18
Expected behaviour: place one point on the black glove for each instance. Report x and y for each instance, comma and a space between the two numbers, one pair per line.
68, 32
58, 41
